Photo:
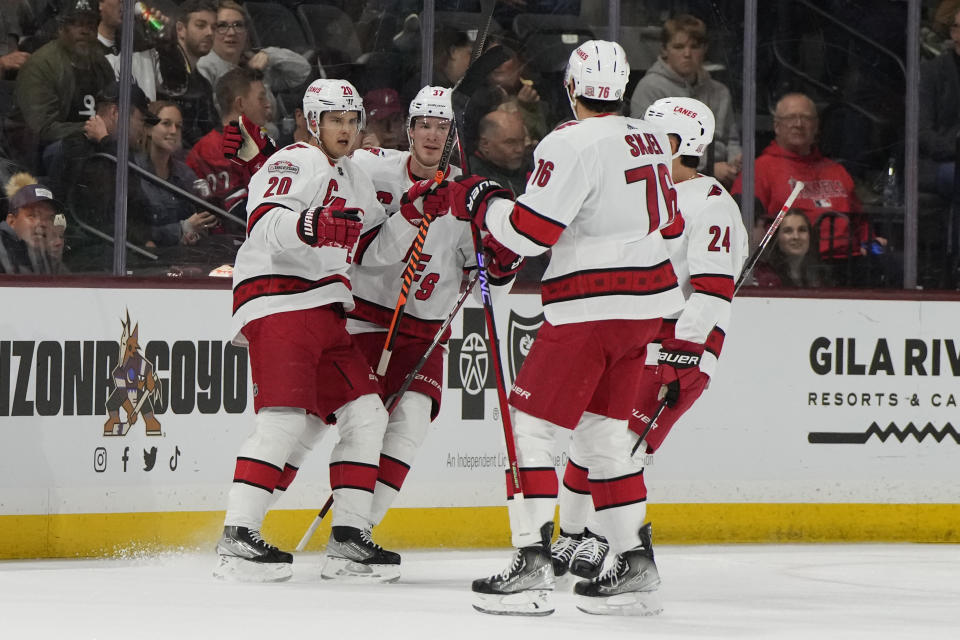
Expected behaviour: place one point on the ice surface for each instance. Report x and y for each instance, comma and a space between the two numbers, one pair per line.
745, 591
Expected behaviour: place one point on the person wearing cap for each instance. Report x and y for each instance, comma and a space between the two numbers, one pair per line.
385, 119
23, 235
57, 87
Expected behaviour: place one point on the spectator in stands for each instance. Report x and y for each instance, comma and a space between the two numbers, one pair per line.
451, 56
679, 72
793, 155
182, 82
239, 92
173, 219
792, 261
940, 116
90, 188
519, 89
57, 87
502, 149
282, 69
11, 58
23, 234
146, 59
385, 119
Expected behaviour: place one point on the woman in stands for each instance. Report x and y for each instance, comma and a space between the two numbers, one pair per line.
173, 219
790, 262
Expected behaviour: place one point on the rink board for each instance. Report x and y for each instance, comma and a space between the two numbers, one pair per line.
828, 420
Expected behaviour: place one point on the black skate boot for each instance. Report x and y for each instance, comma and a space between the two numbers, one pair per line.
353, 556
562, 551
244, 556
589, 556
524, 587
628, 587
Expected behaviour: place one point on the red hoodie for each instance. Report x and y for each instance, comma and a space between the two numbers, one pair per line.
827, 187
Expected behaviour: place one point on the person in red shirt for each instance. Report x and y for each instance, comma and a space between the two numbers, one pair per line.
239, 92
793, 155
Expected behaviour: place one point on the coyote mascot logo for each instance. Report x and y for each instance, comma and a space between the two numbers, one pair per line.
135, 388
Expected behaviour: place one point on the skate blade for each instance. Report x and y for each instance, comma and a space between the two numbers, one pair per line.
632, 603
532, 602
350, 572
235, 569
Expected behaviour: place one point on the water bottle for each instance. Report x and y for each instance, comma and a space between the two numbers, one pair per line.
149, 18
891, 184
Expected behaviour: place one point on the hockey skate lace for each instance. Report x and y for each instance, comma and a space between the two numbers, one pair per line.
258, 539
514, 566
592, 550
615, 573
365, 535
564, 549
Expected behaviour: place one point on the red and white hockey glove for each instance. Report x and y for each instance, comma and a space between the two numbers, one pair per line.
470, 195
422, 200
502, 263
247, 146
327, 227
679, 368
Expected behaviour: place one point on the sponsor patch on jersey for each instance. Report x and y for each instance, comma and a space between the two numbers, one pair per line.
283, 166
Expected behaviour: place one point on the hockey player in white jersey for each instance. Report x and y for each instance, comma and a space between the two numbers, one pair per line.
446, 258
708, 246
599, 192
291, 291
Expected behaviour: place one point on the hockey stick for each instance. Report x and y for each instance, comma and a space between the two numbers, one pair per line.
752, 261
395, 400
316, 523
411, 376
747, 270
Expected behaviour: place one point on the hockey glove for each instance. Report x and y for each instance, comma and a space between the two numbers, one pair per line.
326, 227
679, 368
247, 146
502, 263
423, 201
470, 195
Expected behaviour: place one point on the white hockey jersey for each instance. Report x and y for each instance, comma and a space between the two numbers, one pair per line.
599, 191
708, 247
447, 253
275, 270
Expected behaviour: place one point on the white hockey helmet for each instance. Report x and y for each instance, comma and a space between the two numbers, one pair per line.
430, 101
688, 119
326, 94
597, 69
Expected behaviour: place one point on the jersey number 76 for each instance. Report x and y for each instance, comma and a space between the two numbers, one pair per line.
654, 178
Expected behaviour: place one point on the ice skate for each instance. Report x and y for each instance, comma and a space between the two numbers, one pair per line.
353, 556
627, 588
244, 556
563, 550
523, 589
589, 556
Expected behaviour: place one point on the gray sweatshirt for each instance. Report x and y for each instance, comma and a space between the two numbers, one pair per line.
661, 81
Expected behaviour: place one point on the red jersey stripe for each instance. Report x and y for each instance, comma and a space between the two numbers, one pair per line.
353, 475
536, 482
409, 325
256, 473
713, 284
261, 211
279, 285
575, 478
715, 341
638, 281
535, 227
289, 473
392, 472
618, 492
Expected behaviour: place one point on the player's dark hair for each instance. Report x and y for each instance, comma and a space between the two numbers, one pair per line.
690, 162
601, 106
